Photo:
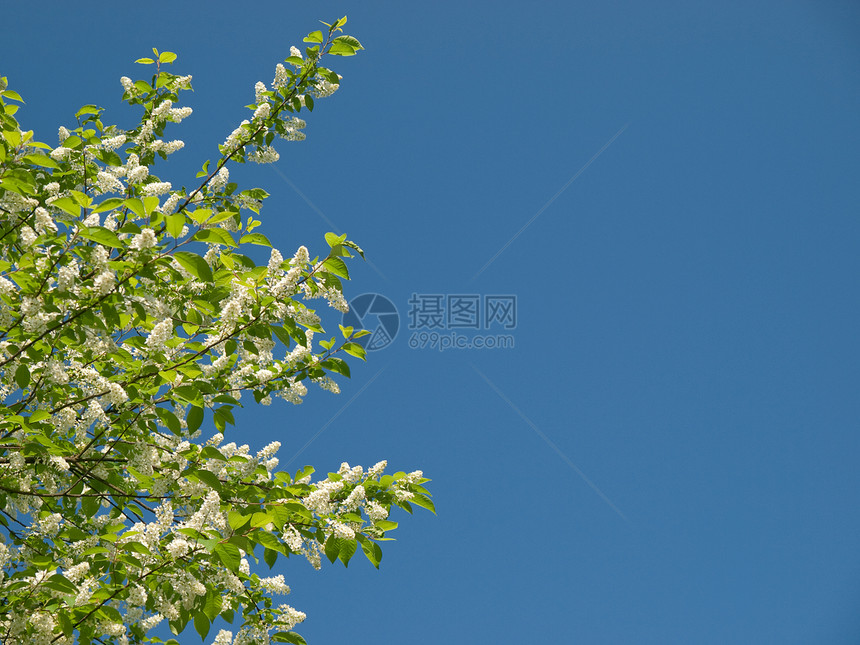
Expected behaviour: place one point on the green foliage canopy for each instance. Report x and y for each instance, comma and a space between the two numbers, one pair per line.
128, 316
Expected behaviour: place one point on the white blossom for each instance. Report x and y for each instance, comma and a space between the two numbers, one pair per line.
44, 222
162, 109
170, 204
219, 180
375, 511
157, 188
275, 584
259, 88
234, 140
324, 88
264, 154
28, 236
262, 112
114, 142
60, 153
160, 334
281, 77
104, 282
177, 114
108, 183
224, 637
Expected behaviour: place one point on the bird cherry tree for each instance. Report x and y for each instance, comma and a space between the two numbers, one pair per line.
130, 319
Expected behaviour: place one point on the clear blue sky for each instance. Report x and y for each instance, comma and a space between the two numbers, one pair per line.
687, 309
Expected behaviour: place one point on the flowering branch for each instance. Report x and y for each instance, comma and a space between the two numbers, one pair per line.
130, 323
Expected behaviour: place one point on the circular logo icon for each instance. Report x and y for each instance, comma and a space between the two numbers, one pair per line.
378, 315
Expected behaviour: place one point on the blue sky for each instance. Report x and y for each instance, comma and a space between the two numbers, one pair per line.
668, 454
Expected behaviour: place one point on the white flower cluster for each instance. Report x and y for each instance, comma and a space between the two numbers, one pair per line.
166, 147
220, 180
264, 154
234, 140
160, 334
281, 76
259, 88
157, 188
144, 240
114, 142
324, 88
176, 115
262, 112
108, 183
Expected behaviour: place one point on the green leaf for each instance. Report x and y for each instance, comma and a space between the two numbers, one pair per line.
259, 520
87, 109
354, 349
288, 637
22, 376
135, 206
349, 40
337, 365
60, 583
211, 452
149, 204
424, 502
202, 624
66, 624
332, 548
333, 240
166, 57
229, 555
170, 420
218, 217
68, 205
135, 547
145, 61
194, 264
354, 247
255, 238
270, 557
195, 419
82, 198
314, 37
188, 394
340, 48
102, 235
336, 266
347, 550
174, 223
212, 604
39, 415
371, 550
108, 204
38, 159
269, 541
215, 236
209, 478
237, 520
89, 506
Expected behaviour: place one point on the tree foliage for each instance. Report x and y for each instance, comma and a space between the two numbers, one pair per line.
130, 320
